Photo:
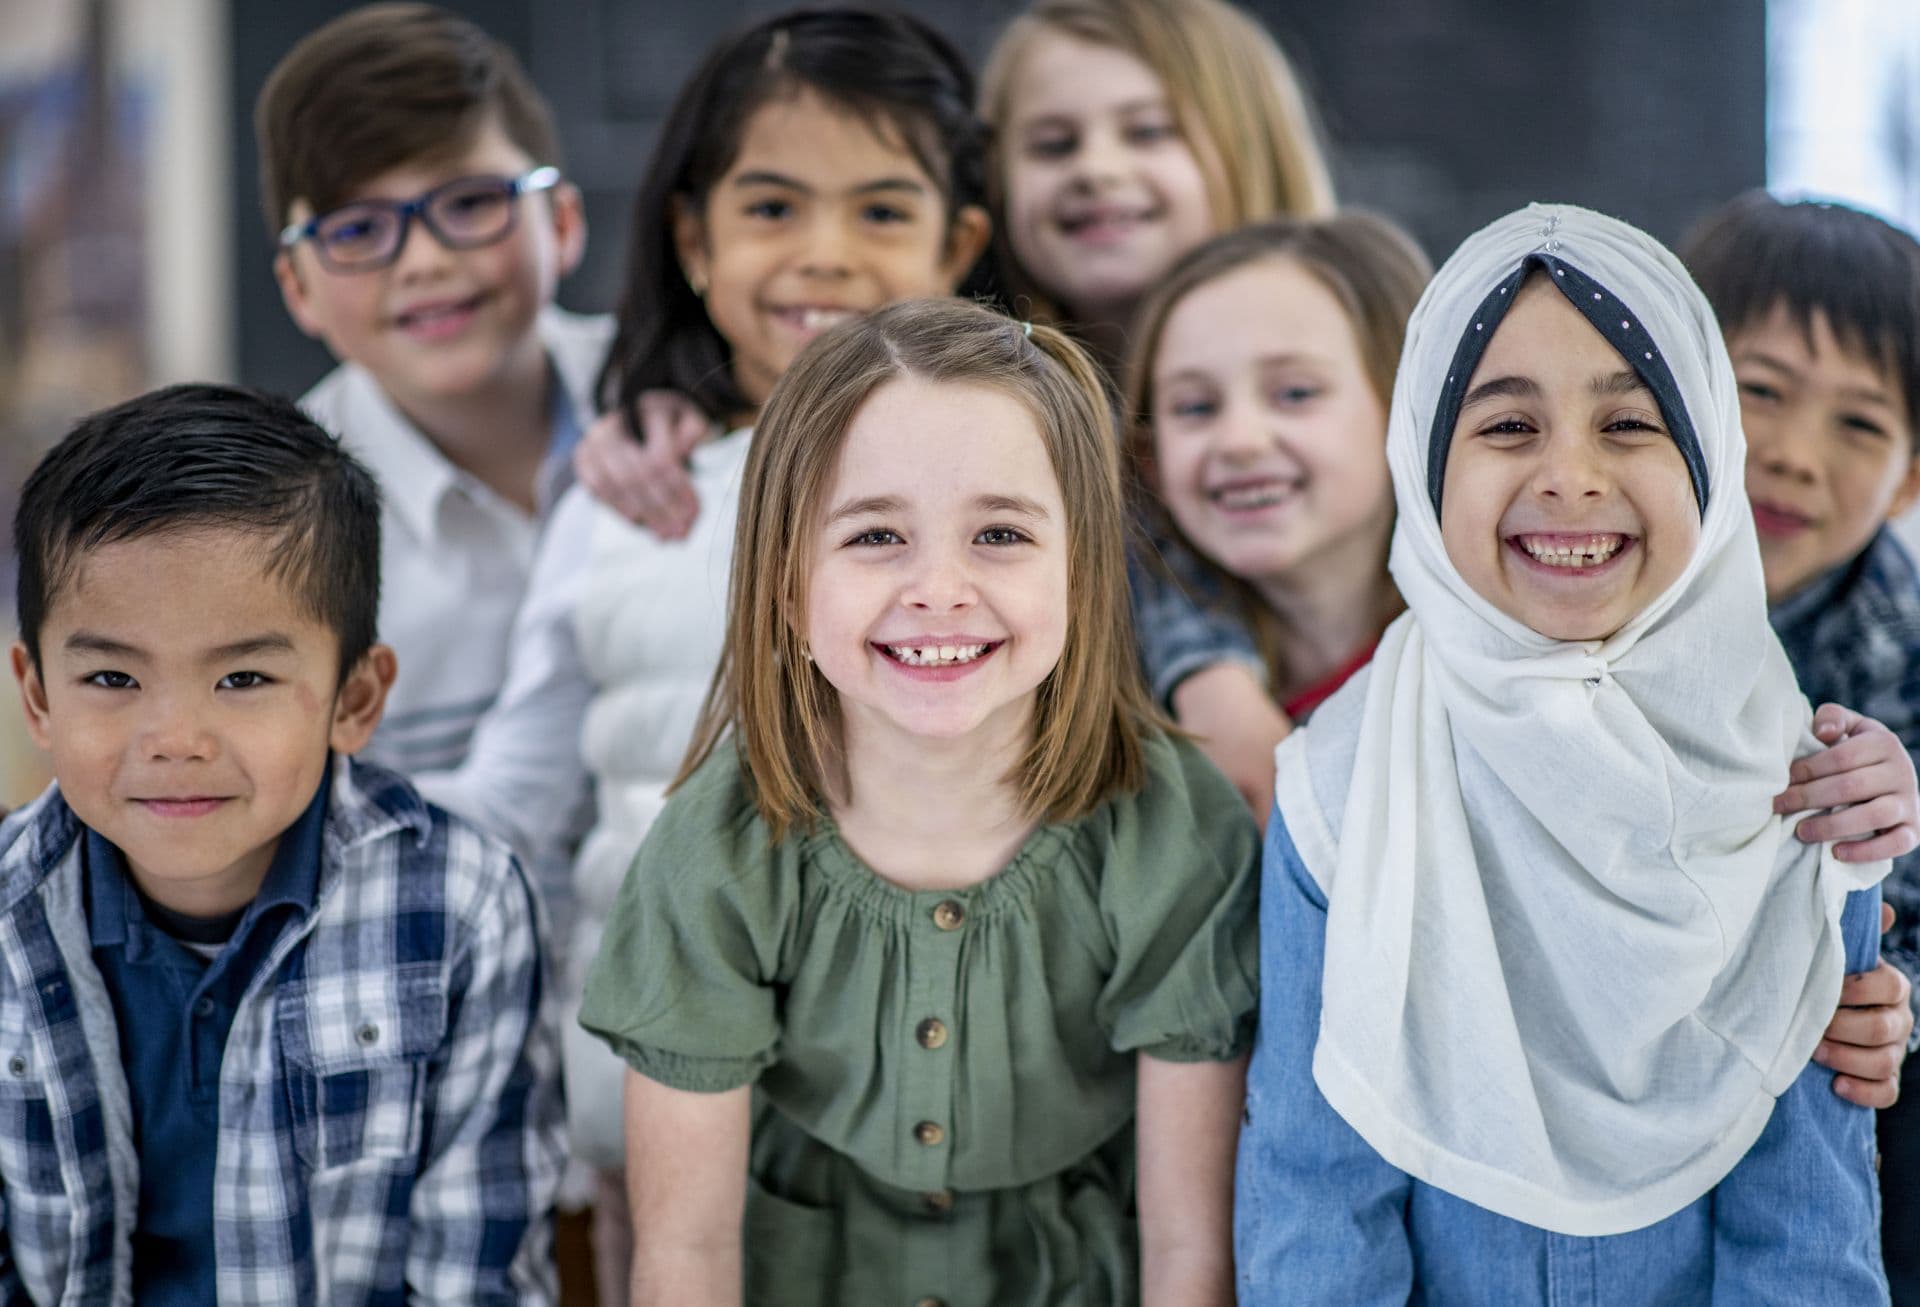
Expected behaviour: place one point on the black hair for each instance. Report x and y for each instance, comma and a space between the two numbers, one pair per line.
1754, 253
207, 456
886, 67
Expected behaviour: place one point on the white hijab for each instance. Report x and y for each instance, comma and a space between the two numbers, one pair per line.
1572, 957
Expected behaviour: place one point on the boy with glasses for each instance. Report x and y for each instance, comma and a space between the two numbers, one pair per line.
409, 170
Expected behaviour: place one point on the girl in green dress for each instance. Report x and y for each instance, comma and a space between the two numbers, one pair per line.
936, 976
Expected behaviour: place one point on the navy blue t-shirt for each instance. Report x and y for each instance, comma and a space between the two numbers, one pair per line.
174, 1006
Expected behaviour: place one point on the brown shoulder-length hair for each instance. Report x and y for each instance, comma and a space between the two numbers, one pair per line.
1091, 709
1373, 268
1231, 88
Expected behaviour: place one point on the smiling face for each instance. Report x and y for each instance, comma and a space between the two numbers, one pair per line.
1103, 191
1830, 446
1269, 441
821, 217
440, 324
1566, 503
937, 598
189, 702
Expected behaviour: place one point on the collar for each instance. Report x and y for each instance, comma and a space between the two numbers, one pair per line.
365, 803
292, 879
1820, 594
415, 476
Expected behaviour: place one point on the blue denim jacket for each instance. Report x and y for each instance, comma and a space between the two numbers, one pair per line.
1319, 1217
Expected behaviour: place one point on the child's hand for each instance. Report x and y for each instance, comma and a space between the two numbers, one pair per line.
1866, 775
1867, 1040
646, 481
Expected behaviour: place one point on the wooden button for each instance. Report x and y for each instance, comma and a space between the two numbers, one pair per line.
932, 1033
929, 1133
939, 1201
949, 914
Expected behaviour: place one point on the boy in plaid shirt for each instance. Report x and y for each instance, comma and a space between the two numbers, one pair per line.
271, 1028
1820, 304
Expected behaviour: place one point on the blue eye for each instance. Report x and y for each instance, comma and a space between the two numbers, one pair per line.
1193, 408
111, 681
1296, 394
1151, 133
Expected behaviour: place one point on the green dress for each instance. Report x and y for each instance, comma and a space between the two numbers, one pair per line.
944, 1080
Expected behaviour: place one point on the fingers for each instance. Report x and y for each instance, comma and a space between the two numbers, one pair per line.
1832, 721
644, 483
1883, 987
1877, 1094
1886, 923
1854, 820
1890, 844
1856, 1031
1871, 743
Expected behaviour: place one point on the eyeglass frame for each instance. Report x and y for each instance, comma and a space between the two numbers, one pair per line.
531, 182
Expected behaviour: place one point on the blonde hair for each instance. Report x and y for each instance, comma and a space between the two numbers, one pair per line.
1369, 265
1230, 86
1091, 709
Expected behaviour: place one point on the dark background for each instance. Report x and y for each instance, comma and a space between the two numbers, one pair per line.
1442, 114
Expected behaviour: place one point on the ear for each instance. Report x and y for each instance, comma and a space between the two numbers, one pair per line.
569, 226
293, 294
967, 237
33, 696
690, 243
1909, 492
362, 699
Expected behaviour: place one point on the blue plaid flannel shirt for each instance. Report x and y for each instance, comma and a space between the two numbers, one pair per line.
1853, 637
391, 1128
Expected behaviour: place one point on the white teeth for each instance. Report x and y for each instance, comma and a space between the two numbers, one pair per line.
1250, 497
1591, 552
821, 319
936, 655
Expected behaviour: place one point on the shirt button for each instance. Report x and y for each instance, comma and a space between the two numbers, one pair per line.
938, 1202
949, 915
17, 1065
932, 1033
203, 1007
929, 1133
368, 1035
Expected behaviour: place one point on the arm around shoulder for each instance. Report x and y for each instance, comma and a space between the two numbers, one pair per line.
481, 1212
1318, 1215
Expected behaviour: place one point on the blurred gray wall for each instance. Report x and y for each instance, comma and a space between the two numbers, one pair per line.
1440, 113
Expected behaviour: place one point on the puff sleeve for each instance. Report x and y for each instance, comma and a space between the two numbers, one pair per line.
684, 985
1178, 899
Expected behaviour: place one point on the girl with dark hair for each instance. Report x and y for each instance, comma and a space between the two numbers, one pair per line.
817, 166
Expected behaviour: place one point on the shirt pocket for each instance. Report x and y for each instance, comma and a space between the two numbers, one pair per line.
29, 1156
356, 1052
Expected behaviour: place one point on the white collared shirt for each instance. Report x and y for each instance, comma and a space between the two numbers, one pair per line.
455, 557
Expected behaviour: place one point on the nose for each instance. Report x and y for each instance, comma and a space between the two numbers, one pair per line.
174, 732
941, 581
1245, 429
421, 253
1101, 157
829, 244
1570, 468
1780, 446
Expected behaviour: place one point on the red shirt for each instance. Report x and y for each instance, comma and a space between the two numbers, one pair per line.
1299, 705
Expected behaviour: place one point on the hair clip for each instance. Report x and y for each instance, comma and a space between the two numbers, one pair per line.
1026, 329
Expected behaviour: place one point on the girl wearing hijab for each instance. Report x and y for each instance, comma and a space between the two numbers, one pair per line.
1541, 969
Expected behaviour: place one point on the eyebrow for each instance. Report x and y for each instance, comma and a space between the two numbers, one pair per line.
877, 505
1285, 359
1626, 382
106, 646
767, 177
1864, 394
1053, 116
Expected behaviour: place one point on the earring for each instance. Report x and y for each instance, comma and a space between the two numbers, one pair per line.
698, 287
805, 652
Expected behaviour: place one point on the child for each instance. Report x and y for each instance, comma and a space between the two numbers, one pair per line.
817, 166
1821, 309
272, 1026
902, 1035
1537, 829
1259, 379
410, 173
